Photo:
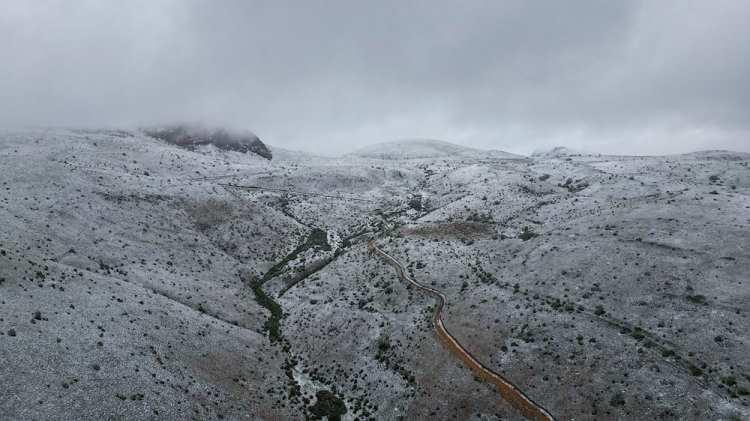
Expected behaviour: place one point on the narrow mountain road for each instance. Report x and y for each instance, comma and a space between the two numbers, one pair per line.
508, 391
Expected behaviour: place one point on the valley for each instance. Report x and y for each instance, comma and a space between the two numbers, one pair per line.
144, 279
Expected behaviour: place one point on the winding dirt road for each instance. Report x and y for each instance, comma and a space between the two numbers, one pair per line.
507, 390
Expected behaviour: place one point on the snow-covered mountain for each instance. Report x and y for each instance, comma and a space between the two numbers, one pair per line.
426, 148
139, 282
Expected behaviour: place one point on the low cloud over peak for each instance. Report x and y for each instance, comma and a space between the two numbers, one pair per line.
620, 77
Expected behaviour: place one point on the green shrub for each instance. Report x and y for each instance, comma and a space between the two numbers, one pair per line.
527, 234
638, 333
617, 399
729, 380
696, 299
695, 371
328, 405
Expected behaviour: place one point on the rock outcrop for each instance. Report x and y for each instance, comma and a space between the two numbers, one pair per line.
191, 137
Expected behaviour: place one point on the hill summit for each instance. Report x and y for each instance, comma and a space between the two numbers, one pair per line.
425, 148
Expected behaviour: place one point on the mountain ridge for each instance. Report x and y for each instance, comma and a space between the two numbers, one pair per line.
419, 148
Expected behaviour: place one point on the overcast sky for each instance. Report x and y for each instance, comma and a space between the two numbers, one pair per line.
606, 76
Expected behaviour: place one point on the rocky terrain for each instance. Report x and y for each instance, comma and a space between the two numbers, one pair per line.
143, 277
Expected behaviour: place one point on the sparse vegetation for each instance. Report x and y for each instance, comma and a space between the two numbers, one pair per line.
210, 213
415, 202
618, 399
623, 297
527, 234
696, 299
328, 405
695, 371
273, 324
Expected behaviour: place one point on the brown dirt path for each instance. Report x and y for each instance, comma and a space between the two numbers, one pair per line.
508, 391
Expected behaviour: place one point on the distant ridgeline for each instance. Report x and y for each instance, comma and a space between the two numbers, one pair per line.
192, 137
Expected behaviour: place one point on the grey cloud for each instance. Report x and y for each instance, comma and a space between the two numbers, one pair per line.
625, 77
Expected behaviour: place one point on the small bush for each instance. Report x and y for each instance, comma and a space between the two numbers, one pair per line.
318, 238
696, 299
384, 344
415, 202
695, 371
527, 234
729, 380
638, 333
617, 399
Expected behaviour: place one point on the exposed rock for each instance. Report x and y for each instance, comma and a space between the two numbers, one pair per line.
192, 136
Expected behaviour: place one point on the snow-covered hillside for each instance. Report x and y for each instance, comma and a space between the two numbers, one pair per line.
143, 280
426, 148
556, 152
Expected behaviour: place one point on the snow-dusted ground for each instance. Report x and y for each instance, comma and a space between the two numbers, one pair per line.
606, 287
426, 148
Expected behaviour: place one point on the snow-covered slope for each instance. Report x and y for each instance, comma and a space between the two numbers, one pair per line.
556, 152
426, 148
283, 154
138, 281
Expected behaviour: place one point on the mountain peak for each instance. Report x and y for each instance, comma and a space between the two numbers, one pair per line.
190, 137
